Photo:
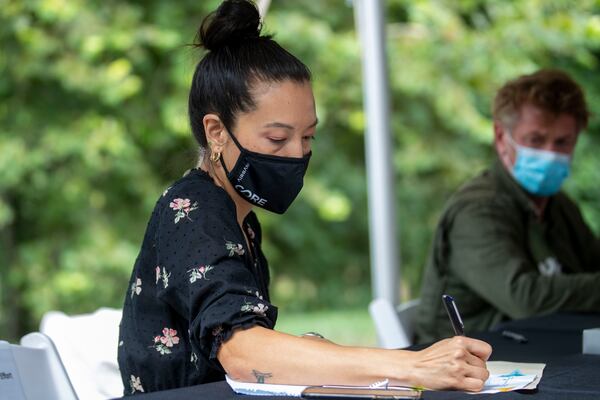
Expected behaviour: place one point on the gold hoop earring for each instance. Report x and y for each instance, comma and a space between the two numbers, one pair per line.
215, 156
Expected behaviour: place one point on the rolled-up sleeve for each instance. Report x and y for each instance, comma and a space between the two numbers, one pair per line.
204, 271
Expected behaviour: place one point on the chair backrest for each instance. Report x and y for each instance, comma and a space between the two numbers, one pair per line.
394, 326
88, 345
33, 370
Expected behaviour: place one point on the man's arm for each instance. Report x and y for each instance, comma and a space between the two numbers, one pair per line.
588, 244
488, 252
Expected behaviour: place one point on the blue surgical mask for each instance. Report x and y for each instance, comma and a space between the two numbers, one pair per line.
540, 172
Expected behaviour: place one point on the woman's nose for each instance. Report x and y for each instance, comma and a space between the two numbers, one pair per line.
297, 150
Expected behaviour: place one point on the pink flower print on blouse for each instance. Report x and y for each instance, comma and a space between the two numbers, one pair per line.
162, 344
169, 337
136, 287
259, 308
162, 275
234, 248
199, 272
183, 208
135, 384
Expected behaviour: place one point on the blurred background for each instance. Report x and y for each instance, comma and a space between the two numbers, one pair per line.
93, 128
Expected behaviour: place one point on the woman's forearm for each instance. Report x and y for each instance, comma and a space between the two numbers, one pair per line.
263, 355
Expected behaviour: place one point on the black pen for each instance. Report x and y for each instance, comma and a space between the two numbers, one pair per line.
514, 336
455, 319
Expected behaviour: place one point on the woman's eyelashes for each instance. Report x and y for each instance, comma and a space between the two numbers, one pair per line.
281, 140
277, 140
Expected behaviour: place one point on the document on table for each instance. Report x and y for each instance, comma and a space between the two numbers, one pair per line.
504, 377
507, 376
265, 389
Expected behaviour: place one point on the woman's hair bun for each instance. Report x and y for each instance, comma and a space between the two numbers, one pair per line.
233, 22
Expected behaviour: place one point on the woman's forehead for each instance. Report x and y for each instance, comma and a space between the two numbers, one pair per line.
286, 103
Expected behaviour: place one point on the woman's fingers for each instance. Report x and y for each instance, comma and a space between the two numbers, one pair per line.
478, 347
457, 363
475, 355
477, 371
475, 361
472, 384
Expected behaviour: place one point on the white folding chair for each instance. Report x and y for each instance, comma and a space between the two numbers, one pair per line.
33, 370
394, 326
88, 345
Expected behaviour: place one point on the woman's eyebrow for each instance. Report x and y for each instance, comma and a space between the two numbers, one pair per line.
287, 126
279, 125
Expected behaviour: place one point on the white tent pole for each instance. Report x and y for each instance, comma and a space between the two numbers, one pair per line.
263, 7
369, 18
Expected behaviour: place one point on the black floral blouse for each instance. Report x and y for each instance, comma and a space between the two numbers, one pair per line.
194, 282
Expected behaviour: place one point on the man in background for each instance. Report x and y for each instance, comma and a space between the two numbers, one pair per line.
510, 244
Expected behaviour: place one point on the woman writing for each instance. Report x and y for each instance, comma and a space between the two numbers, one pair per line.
198, 305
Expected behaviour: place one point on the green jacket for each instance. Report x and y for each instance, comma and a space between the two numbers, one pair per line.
499, 261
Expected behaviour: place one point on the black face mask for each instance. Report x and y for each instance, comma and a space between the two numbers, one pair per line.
269, 182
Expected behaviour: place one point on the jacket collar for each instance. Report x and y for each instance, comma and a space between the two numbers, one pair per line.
511, 187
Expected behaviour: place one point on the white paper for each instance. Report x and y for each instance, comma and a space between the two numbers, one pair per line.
507, 383
264, 389
508, 376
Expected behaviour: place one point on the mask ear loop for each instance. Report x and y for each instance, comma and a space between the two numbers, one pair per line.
224, 167
232, 136
513, 143
515, 146
511, 140
238, 145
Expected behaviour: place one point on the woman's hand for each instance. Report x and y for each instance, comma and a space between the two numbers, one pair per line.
456, 363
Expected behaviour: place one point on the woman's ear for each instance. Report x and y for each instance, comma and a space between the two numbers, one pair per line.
216, 134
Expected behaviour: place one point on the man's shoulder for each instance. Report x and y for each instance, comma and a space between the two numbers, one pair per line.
563, 200
483, 186
483, 192
563, 205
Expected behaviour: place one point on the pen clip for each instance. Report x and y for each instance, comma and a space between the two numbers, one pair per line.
454, 315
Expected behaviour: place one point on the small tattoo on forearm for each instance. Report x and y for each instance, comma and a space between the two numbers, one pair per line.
261, 376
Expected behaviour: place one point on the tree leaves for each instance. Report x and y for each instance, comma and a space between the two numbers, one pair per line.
93, 128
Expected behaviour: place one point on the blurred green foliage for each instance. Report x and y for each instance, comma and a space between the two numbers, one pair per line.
93, 127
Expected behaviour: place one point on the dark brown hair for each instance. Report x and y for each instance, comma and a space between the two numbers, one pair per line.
553, 91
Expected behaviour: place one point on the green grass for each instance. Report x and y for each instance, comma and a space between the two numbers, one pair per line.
347, 327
